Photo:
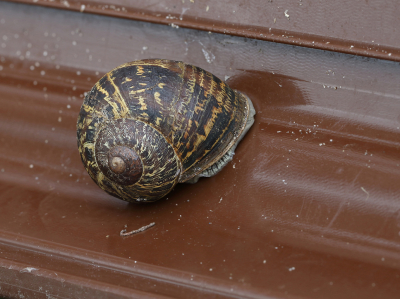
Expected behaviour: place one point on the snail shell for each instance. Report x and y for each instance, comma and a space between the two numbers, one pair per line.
148, 125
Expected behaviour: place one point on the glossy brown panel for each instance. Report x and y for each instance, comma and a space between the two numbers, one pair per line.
308, 208
367, 28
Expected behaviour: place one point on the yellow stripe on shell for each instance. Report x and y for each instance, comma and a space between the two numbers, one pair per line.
124, 112
109, 100
157, 97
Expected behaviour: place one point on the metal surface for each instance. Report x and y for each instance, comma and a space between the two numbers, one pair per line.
308, 208
359, 27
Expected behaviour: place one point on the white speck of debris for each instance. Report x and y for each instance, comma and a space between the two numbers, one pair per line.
42, 73
28, 269
174, 26
292, 269
59, 119
144, 48
78, 73
183, 11
234, 165
31, 166
211, 269
220, 200
390, 54
366, 192
286, 13
65, 3
208, 56
207, 8
351, 47
227, 77
82, 8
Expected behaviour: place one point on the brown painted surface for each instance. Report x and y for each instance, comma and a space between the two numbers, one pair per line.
308, 208
367, 28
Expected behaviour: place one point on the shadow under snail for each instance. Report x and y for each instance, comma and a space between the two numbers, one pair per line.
148, 125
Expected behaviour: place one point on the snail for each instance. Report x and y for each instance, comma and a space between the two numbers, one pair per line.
147, 125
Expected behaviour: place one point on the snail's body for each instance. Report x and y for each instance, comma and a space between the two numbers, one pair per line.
147, 125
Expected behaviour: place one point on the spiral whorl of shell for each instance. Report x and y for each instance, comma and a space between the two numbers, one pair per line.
150, 124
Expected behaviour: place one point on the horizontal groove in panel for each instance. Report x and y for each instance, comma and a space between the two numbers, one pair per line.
358, 28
